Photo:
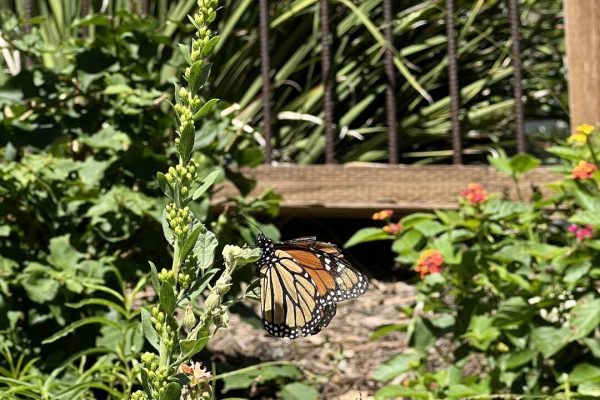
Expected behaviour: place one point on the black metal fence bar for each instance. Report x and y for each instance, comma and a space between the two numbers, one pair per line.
328, 83
453, 84
517, 85
390, 91
83, 12
266, 81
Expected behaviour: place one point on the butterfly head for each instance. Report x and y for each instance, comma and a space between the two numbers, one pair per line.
264, 242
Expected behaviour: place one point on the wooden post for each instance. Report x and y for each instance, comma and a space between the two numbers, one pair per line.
582, 19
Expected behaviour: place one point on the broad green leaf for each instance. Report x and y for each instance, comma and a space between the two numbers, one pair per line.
416, 218
396, 365
205, 249
63, 256
367, 235
516, 359
407, 242
186, 144
154, 276
501, 164
208, 48
167, 298
584, 372
383, 330
239, 256
194, 78
522, 163
585, 317
37, 282
514, 311
586, 218
429, 228
108, 138
481, 332
549, 340
298, 391
591, 389
461, 391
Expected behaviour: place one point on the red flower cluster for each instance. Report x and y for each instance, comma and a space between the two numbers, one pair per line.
475, 194
584, 170
392, 228
382, 215
581, 233
429, 262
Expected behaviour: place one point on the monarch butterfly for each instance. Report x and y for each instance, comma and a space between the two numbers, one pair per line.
301, 281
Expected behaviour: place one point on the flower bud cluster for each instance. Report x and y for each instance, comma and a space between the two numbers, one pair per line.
139, 395
157, 376
160, 323
179, 219
185, 108
184, 175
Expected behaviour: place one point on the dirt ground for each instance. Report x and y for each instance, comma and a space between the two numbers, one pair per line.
342, 357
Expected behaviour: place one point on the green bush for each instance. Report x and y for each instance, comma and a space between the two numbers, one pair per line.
508, 301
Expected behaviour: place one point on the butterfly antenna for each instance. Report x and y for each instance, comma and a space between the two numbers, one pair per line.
249, 221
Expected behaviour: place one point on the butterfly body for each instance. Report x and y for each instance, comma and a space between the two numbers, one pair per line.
301, 282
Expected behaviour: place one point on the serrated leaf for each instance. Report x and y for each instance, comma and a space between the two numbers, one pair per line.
205, 109
167, 298
148, 329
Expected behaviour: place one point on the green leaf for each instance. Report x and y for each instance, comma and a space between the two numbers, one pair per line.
585, 317
149, 331
367, 235
591, 389
194, 78
584, 372
298, 391
200, 284
185, 51
383, 330
205, 249
190, 347
586, 218
587, 201
429, 228
172, 392
164, 185
481, 332
516, 359
186, 144
167, 298
190, 242
593, 345
407, 242
78, 324
209, 47
416, 218
205, 109
396, 365
522, 163
206, 183
239, 256
108, 138
461, 391
154, 276
549, 340
501, 164
62, 255
260, 374
399, 391
514, 311
38, 284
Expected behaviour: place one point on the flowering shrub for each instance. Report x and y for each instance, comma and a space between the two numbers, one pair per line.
508, 297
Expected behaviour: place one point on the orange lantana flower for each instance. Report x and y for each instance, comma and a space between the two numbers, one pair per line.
584, 170
475, 194
382, 215
429, 262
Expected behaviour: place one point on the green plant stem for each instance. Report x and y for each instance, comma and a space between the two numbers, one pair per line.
592, 151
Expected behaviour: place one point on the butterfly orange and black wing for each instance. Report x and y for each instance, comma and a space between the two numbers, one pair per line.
301, 281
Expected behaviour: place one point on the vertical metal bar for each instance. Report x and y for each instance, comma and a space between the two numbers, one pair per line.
328, 83
83, 12
145, 8
266, 82
390, 97
517, 85
453, 83
28, 9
